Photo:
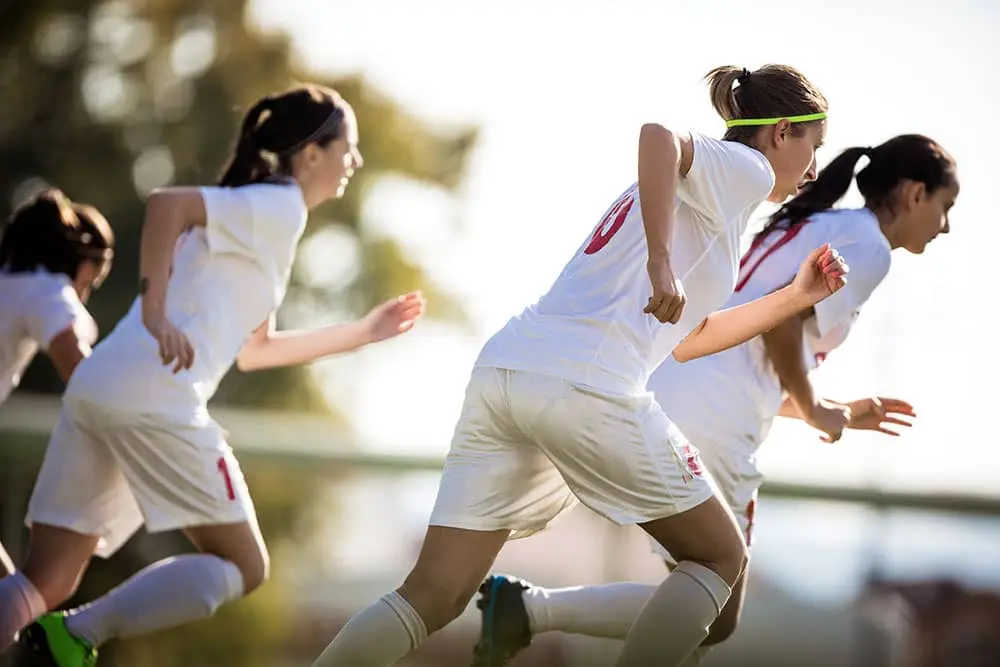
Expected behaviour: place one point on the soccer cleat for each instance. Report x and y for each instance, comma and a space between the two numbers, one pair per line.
51, 644
505, 628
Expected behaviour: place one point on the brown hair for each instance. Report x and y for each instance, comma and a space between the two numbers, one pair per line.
52, 233
276, 128
96, 235
772, 91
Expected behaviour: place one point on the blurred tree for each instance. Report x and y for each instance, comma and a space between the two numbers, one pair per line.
109, 100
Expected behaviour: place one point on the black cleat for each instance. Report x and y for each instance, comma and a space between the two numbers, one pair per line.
34, 647
50, 644
505, 628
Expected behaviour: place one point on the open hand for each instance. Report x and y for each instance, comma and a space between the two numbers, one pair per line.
394, 317
874, 414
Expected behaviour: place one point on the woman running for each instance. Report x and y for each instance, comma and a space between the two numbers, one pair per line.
556, 409
135, 443
53, 254
726, 403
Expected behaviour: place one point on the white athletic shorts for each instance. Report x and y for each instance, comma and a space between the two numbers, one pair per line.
528, 446
107, 472
737, 480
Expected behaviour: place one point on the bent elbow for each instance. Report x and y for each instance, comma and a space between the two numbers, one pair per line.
681, 355
246, 361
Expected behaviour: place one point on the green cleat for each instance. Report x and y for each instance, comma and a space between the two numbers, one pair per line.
51, 644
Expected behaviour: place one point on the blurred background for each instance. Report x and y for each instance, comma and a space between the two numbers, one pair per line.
495, 135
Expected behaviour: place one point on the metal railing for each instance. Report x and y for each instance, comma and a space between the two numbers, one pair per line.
319, 443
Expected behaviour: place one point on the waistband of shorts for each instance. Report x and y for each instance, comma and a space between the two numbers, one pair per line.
594, 377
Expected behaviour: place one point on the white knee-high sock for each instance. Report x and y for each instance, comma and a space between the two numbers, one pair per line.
20, 605
608, 610
377, 636
676, 619
165, 594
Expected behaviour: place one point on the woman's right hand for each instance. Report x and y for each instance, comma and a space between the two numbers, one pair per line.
175, 348
830, 418
668, 299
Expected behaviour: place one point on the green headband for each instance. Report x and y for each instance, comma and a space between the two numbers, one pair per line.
805, 118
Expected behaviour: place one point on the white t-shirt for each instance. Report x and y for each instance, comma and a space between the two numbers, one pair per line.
589, 328
37, 307
227, 278
730, 399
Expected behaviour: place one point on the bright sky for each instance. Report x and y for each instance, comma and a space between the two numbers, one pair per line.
559, 90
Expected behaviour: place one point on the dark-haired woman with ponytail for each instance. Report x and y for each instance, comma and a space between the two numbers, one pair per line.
725, 403
53, 254
134, 442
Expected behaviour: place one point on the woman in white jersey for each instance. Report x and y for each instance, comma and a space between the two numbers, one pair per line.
135, 443
556, 409
725, 403
53, 254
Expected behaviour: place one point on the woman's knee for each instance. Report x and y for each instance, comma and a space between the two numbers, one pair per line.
241, 545
255, 568
706, 535
57, 559
727, 622
731, 561
438, 595
55, 585
723, 628
450, 568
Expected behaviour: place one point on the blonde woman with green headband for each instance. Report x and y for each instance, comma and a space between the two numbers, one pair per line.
556, 410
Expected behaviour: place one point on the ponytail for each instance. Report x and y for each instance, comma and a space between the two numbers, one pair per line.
96, 240
721, 81
248, 164
907, 157
830, 185
267, 142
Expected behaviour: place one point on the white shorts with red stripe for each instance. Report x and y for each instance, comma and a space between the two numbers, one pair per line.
108, 472
737, 480
528, 446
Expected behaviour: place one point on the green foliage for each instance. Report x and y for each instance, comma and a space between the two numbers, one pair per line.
108, 99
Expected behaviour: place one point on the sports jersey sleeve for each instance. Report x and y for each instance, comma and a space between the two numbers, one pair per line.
725, 179
869, 264
51, 312
252, 219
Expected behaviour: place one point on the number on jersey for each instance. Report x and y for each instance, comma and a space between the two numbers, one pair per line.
611, 223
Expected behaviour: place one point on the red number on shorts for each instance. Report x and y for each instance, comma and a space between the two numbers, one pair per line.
751, 508
224, 469
692, 459
611, 223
